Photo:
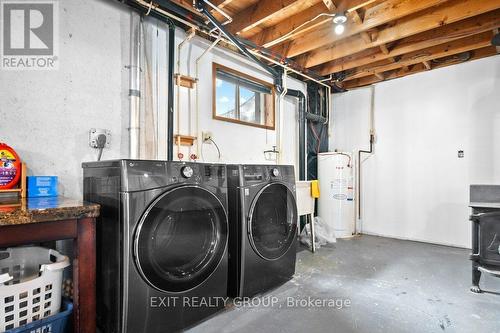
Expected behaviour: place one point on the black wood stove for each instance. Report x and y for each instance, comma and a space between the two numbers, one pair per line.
485, 204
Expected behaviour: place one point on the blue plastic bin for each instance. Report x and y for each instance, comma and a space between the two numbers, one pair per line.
42, 186
57, 323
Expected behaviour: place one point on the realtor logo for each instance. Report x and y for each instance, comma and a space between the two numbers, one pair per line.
29, 35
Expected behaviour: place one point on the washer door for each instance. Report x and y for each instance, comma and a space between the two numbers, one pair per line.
273, 221
181, 239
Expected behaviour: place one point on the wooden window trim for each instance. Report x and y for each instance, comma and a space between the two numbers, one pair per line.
216, 66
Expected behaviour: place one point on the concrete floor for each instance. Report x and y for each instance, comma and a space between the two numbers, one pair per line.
393, 286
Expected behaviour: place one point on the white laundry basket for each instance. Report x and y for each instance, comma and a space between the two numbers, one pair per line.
30, 284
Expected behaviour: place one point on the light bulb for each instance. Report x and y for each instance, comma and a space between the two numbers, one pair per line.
339, 29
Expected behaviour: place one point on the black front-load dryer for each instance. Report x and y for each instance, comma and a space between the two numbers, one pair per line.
262, 227
162, 243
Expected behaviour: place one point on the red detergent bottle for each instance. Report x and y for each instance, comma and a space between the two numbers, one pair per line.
10, 167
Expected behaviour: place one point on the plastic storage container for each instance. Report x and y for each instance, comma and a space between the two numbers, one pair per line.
54, 324
30, 285
42, 186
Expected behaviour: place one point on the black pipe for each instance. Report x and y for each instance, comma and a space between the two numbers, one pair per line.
276, 74
170, 106
372, 140
201, 24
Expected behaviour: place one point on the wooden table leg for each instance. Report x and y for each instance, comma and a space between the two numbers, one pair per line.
84, 294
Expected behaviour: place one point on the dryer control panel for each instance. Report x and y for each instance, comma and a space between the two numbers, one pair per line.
143, 175
254, 174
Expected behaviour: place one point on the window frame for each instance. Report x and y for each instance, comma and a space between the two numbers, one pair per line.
216, 66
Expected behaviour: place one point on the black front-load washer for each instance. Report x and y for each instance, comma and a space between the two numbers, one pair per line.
161, 243
262, 227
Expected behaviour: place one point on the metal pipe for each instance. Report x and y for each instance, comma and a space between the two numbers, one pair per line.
372, 141
302, 130
162, 14
170, 89
280, 120
178, 104
200, 5
229, 19
197, 63
134, 85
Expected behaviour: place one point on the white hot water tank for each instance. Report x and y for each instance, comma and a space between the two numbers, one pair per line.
336, 202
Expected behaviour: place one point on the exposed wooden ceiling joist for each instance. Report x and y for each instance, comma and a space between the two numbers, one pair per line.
274, 35
476, 54
458, 46
258, 13
375, 16
221, 3
433, 18
330, 5
444, 34
383, 39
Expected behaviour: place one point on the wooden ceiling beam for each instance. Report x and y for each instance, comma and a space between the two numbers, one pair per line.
433, 18
258, 13
375, 16
221, 3
359, 21
329, 5
444, 34
428, 54
273, 35
384, 49
477, 54
427, 65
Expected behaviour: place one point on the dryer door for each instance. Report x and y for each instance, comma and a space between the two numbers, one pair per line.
272, 223
181, 239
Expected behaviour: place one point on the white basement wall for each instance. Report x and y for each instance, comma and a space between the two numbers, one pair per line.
415, 186
46, 115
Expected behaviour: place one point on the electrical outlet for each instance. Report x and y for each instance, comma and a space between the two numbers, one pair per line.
95, 132
206, 136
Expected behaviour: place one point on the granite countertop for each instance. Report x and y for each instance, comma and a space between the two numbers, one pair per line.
485, 204
35, 210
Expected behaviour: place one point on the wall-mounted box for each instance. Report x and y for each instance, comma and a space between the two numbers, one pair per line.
42, 186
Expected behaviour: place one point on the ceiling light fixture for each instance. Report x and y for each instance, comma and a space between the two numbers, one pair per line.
339, 20
339, 29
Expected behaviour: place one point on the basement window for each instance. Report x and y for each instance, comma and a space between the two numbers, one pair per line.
242, 99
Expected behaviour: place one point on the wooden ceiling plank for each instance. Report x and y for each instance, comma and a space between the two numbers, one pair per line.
477, 54
221, 3
377, 15
431, 19
330, 5
272, 36
352, 5
357, 19
444, 34
258, 13
439, 51
384, 49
